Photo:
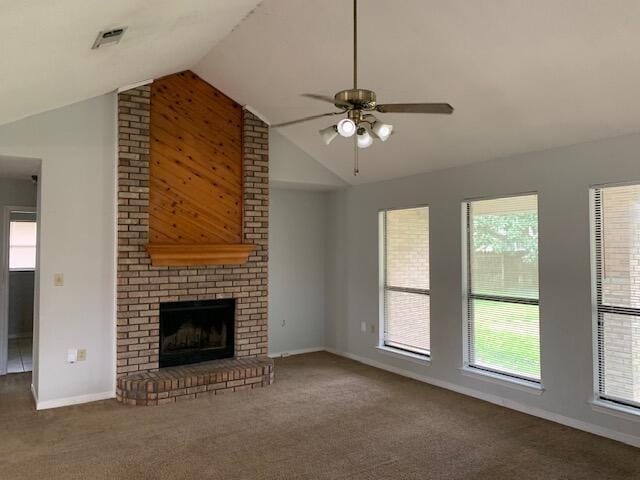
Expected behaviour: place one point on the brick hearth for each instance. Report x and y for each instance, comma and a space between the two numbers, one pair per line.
142, 287
174, 384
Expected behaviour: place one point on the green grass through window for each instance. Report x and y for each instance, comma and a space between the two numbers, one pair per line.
506, 337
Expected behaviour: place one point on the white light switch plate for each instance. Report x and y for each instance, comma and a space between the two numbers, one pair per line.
72, 355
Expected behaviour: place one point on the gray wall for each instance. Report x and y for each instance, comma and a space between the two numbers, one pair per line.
17, 192
77, 147
562, 178
21, 285
297, 258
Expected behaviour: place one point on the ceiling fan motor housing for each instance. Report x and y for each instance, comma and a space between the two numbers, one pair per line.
358, 98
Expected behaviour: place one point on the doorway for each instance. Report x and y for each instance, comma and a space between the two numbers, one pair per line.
21, 259
18, 264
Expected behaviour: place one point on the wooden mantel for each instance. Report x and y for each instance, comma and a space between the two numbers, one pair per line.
177, 255
196, 175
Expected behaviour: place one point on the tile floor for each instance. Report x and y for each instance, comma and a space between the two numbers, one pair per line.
20, 351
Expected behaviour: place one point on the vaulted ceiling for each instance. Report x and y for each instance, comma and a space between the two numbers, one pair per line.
46, 59
522, 75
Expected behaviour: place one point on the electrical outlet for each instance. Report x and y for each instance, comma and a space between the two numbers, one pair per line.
58, 280
82, 355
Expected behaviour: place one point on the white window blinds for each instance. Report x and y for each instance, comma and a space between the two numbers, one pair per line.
22, 245
406, 279
617, 250
503, 332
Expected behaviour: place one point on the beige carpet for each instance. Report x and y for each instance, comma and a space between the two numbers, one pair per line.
324, 418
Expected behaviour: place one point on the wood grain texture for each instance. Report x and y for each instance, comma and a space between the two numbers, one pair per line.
181, 255
195, 194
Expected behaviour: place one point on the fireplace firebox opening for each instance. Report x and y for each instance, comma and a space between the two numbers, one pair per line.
196, 331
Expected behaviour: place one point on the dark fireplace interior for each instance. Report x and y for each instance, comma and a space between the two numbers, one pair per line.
198, 331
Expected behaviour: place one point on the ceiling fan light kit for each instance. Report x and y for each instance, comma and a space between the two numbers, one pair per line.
357, 103
328, 134
382, 130
365, 139
346, 127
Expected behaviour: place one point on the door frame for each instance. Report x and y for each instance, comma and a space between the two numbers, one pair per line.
4, 280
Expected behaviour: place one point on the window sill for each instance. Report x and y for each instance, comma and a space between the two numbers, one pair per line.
620, 411
504, 380
404, 355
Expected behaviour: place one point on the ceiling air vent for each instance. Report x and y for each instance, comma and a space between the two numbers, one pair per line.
106, 37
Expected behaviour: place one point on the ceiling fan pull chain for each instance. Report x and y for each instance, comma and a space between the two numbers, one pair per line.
356, 168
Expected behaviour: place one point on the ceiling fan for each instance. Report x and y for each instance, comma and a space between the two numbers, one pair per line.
358, 103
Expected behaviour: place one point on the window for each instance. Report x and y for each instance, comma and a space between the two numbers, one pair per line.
405, 285
22, 245
617, 262
503, 334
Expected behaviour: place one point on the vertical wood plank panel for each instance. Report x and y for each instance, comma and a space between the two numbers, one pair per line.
196, 185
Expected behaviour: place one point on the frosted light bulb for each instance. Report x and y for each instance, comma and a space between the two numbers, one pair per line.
364, 138
346, 127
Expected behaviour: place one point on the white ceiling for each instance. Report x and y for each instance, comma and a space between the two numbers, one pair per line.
46, 59
523, 75
291, 167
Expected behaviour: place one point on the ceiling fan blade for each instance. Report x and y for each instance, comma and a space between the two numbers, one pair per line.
415, 108
315, 96
325, 98
306, 119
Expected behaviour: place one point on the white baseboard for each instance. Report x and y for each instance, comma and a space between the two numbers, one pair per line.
297, 352
65, 402
536, 412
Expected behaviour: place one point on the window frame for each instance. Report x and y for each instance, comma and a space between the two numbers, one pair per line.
383, 287
530, 383
599, 309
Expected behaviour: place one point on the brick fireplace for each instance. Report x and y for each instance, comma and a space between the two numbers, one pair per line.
143, 288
